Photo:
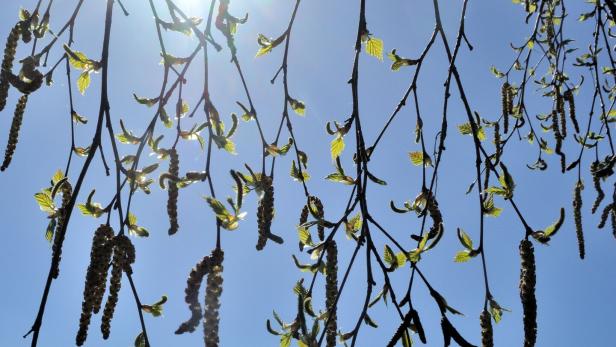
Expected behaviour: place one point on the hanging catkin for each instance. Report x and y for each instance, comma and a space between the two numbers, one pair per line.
14, 132
505, 103
596, 180
577, 214
10, 49
568, 96
331, 292
487, 339
58, 239
527, 292
497, 143
303, 218
96, 277
265, 211
192, 295
559, 141
318, 213
560, 107
172, 190
212, 300
123, 257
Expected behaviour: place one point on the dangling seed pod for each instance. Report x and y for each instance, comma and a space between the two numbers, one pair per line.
10, 49
14, 132
192, 295
487, 339
331, 292
559, 141
212, 300
527, 292
596, 180
96, 277
265, 212
123, 257
568, 96
505, 103
172, 201
58, 239
577, 214
318, 214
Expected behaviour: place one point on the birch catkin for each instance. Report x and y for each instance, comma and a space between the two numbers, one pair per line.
10, 49
487, 339
527, 292
568, 96
14, 132
596, 180
213, 292
58, 239
318, 213
192, 295
265, 212
172, 201
577, 214
505, 103
331, 292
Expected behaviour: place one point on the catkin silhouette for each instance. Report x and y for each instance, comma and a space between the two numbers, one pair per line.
303, 218
596, 180
318, 214
96, 276
487, 338
213, 291
497, 142
527, 292
559, 141
560, 107
58, 239
172, 190
577, 214
10, 49
604, 214
14, 132
568, 96
24, 28
265, 212
192, 295
331, 292
123, 257
505, 103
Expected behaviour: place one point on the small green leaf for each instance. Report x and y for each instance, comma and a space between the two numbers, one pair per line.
298, 106
462, 256
374, 47
83, 82
337, 146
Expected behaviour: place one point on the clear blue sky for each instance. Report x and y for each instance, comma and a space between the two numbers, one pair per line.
575, 297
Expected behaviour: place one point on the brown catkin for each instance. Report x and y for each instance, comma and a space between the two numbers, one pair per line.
303, 218
10, 49
172, 190
123, 257
568, 96
192, 295
560, 107
559, 141
497, 142
596, 180
213, 292
435, 215
14, 132
487, 338
527, 292
96, 276
331, 292
606, 213
613, 219
577, 214
24, 27
319, 214
265, 212
58, 239
505, 105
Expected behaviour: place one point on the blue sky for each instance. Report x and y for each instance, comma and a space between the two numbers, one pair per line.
575, 297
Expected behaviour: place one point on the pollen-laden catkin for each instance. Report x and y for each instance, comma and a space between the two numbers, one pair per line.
14, 132
487, 338
95, 277
497, 142
212, 300
596, 180
527, 292
303, 218
331, 291
265, 212
568, 96
58, 240
319, 214
192, 295
435, 215
577, 214
560, 107
604, 214
172, 201
123, 257
505, 102
10, 49
559, 141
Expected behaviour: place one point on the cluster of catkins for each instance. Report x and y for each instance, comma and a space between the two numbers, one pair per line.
527, 292
265, 211
487, 338
577, 216
123, 257
96, 278
331, 291
58, 240
212, 266
172, 190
